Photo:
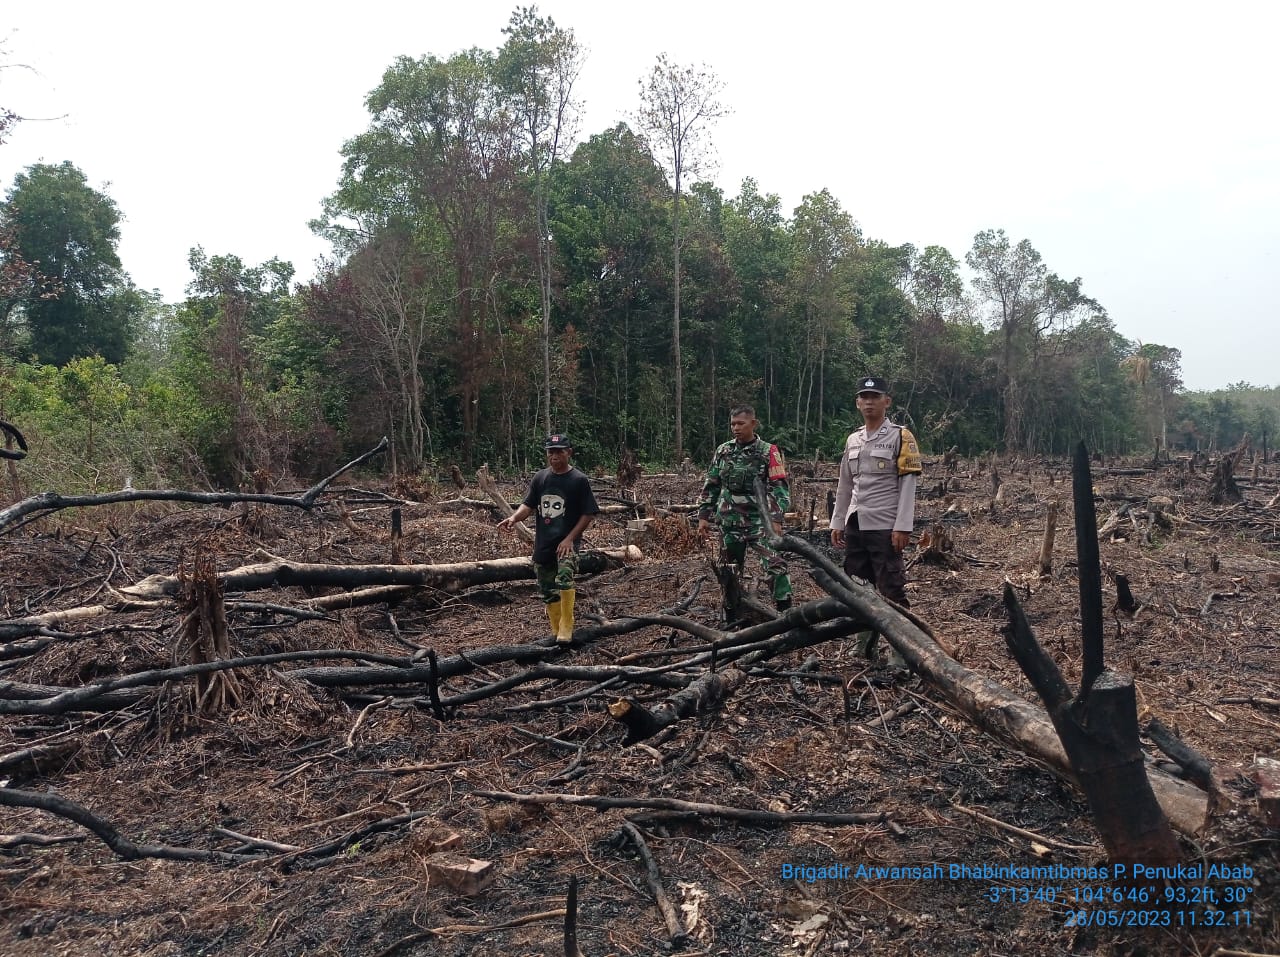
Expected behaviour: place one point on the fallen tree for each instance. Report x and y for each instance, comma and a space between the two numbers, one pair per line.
47, 502
278, 572
384, 582
984, 701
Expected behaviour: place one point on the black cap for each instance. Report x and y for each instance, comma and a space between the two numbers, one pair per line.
872, 383
557, 440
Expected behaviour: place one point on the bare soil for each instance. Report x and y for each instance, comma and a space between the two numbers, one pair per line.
304, 766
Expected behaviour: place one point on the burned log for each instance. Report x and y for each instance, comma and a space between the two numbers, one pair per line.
114, 693
39, 505
1194, 765
653, 877
387, 583
13, 693
451, 577
107, 832
12, 435
699, 697
676, 806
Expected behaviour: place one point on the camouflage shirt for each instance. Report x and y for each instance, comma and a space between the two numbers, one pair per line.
731, 479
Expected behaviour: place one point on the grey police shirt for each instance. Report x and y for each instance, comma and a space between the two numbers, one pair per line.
878, 479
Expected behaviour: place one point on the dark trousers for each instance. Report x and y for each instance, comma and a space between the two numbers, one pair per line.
870, 555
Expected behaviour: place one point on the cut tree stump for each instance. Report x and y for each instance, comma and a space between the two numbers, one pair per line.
1266, 774
1046, 544
640, 531
1223, 489
464, 875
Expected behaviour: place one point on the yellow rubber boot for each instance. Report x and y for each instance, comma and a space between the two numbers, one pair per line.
553, 616
564, 634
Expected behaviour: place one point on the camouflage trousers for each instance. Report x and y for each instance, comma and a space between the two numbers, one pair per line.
745, 533
553, 579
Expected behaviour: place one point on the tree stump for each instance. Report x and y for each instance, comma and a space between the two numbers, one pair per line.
628, 469
1046, 543
1222, 482
203, 636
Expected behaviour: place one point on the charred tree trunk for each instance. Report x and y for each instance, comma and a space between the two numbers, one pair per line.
203, 637
699, 697
1222, 484
1099, 733
739, 605
11, 455
1099, 726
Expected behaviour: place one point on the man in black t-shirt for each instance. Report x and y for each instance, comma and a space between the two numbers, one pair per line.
565, 504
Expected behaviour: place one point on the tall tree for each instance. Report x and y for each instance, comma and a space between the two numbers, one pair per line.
758, 244
537, 68
934, 285
1027, 302
941, 381
712, 330
824, 239
609, 213
83, 302
1156, 371
20, 282
219, 365
402, 310
678, 106
440, 162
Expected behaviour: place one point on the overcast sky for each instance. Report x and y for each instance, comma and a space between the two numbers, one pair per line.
1135, 144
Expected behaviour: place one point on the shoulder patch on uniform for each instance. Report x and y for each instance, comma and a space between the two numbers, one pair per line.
909, 455
777, 465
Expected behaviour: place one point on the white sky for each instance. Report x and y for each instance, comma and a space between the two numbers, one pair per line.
1135, 144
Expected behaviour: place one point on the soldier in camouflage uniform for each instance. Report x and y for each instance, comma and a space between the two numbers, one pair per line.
729, 494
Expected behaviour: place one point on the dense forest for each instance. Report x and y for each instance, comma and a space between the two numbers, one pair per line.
495, 273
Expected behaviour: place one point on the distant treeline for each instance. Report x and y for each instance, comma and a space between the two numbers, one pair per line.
491, 277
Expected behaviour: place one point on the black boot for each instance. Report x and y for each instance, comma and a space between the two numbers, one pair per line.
783, 605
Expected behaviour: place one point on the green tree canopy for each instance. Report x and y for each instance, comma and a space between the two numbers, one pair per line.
82, 302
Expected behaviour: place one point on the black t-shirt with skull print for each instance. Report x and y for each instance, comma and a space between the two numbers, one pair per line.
559, 501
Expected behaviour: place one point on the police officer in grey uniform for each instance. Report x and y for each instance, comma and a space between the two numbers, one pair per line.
875, 500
